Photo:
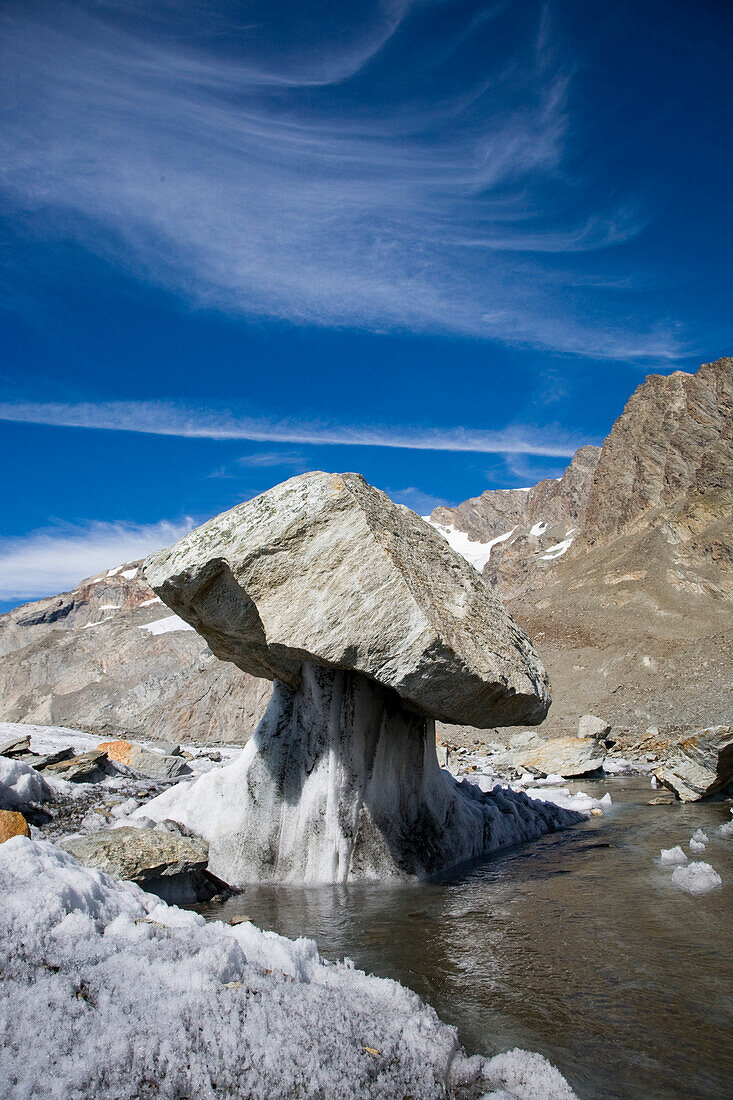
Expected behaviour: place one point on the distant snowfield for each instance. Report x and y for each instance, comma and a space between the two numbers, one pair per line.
476, 553
166, 625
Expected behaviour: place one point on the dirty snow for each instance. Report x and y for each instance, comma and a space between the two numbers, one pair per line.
697, 878
166, 625
110, 994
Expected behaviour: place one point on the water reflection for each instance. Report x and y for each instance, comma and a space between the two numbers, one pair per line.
578, 946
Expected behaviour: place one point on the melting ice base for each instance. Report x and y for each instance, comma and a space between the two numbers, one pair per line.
110, 994
341, 783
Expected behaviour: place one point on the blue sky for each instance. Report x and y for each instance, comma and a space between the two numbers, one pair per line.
438, 243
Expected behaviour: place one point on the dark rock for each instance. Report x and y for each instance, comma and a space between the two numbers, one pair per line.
85, 768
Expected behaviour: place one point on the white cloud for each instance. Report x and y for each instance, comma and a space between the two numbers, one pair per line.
55, 559
159, 418
230, 179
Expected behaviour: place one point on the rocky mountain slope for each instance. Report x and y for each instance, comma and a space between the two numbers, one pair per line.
110, 658
633, 612
621, 571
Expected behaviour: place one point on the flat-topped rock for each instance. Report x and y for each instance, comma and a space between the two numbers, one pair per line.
327, 570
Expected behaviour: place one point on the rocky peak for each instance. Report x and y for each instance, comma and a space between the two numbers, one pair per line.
673, 442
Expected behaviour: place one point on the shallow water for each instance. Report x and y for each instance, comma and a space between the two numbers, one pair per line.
578, 946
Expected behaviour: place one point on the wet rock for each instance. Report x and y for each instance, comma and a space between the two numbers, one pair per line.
88, 767
700, 765
165, 863
590, 725
12, 824
566, 756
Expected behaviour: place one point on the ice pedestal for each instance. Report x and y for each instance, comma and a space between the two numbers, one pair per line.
341, 782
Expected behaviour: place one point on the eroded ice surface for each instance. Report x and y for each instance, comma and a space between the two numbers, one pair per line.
110, 994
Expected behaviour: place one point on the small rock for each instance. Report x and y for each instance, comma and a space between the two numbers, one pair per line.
239, 918
12, 824
661, 800
590, 725
17, 747
80, 769
40, 762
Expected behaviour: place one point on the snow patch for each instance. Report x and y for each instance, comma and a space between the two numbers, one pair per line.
106, 619
113, 572
148, 603
476, 553
128, 574
557, 551
538, 529
166, 625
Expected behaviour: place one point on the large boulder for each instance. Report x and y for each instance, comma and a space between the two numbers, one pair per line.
568, 756
166, 863
700, 765
371, 627
326, 569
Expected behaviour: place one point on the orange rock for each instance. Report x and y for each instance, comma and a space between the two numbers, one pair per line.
117, 750
12, 824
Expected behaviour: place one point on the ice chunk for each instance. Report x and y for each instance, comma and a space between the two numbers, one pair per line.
697, 878
526, 1076
698, 840
673, 855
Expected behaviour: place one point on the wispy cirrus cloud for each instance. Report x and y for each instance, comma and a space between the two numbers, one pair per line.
340, 165
56, 558
159, 418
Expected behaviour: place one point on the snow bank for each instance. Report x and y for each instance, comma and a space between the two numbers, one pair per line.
672, 855
21, 785
110, 994
697, 878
